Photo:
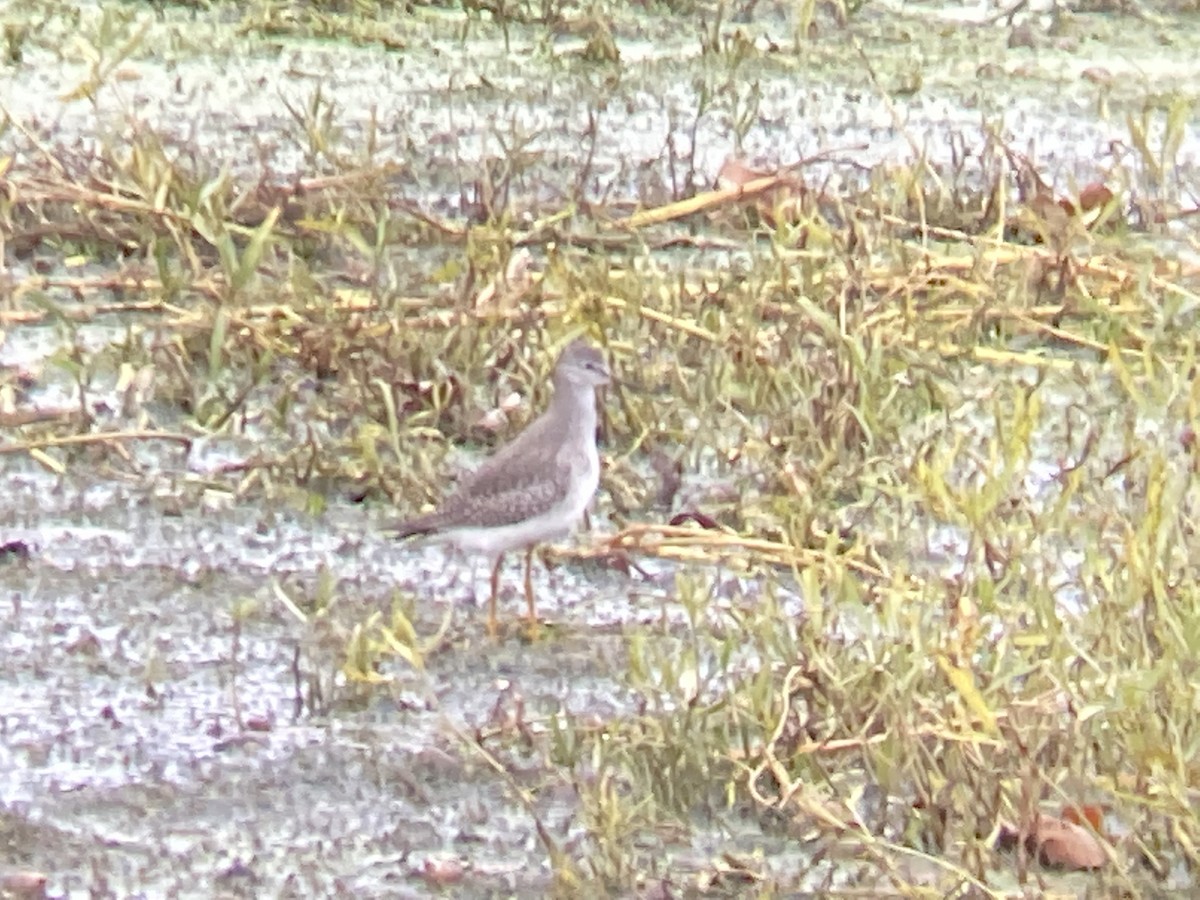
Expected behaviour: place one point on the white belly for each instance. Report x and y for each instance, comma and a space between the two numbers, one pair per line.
552, 525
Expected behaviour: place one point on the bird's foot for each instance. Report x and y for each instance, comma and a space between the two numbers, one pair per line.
531, 629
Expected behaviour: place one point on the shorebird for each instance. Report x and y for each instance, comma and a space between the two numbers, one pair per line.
534, 489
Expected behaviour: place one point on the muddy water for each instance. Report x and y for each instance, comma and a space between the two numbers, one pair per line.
938, 77
159, 730
127, 669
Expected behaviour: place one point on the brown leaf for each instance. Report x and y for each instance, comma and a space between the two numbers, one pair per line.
735, 173
1097, 75
26, 884
1065, 844
1187, 438
441, 872
1094, 195
1086, 814
699, 518
504, 290
777, 195
85, 642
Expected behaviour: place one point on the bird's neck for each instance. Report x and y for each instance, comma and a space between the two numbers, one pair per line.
575, 406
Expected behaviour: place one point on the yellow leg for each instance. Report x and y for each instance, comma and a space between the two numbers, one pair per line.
492, 627
529, 599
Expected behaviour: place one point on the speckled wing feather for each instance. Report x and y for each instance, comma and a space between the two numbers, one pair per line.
516, 503
524, 479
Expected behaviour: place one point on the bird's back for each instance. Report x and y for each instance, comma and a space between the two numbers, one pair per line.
523, 479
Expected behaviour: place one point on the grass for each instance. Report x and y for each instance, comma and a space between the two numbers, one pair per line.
957, 425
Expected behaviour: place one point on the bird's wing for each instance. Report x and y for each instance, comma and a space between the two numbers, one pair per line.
515, 503
530, 459
524, 479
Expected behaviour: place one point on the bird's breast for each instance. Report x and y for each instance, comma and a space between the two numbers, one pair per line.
585, 479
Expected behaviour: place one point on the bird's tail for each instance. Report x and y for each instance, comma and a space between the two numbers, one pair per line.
410, 528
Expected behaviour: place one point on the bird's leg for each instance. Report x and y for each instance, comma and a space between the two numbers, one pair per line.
491, 626
474, 579
533, 619
469, 562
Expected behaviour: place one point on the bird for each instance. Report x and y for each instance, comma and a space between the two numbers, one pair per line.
535, 488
